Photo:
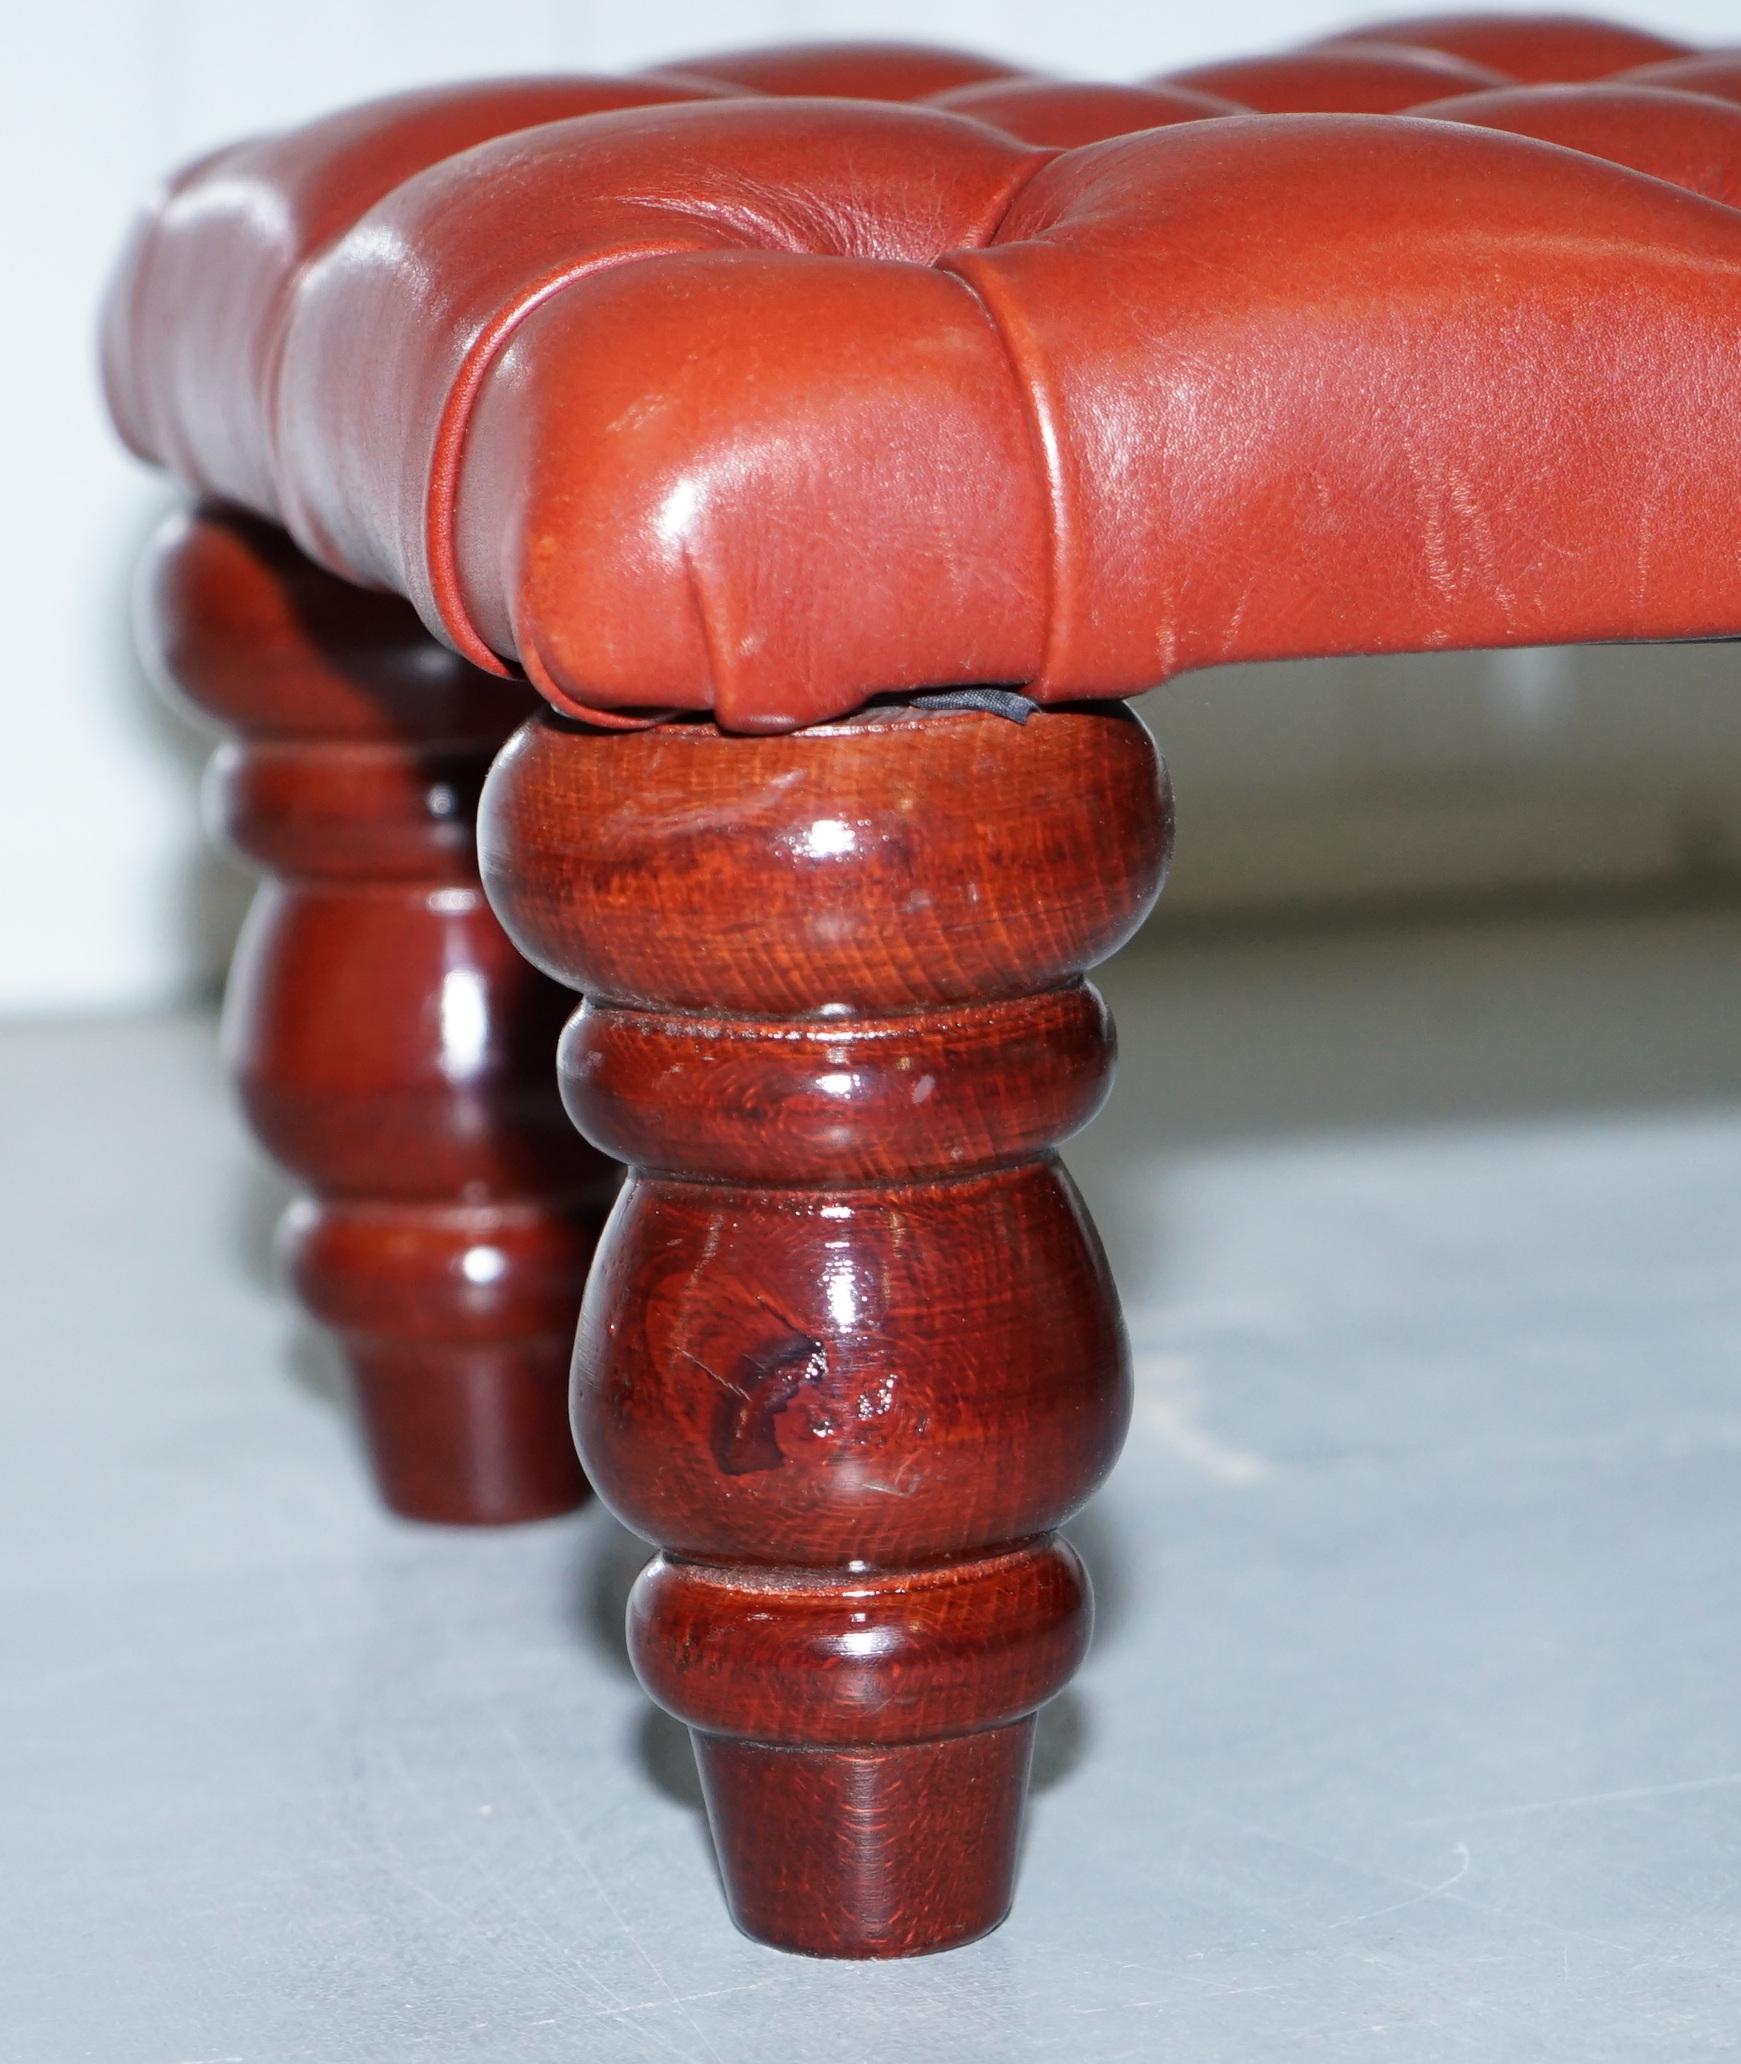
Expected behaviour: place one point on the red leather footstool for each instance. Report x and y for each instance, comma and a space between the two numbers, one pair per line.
832, 469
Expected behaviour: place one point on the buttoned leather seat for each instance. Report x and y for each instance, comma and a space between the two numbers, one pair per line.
700, 391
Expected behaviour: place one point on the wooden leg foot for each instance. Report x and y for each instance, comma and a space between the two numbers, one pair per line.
868, 1852
457, 1327
877, 1810
390, 1047
849, 1351
462, 1436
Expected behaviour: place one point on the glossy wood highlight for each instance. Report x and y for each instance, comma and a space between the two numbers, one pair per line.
849, 1352
390, 1047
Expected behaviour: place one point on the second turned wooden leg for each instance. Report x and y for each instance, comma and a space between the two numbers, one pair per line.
391, 1048
849, 1353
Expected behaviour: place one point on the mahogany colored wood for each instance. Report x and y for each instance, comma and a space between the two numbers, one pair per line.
391, 1048
849, 1351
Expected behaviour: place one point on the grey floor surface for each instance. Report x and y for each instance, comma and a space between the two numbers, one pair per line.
1413, 1725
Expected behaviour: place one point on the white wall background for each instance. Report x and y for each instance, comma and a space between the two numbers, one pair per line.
1297, 780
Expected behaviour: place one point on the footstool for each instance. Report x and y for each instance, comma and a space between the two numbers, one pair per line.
832, 468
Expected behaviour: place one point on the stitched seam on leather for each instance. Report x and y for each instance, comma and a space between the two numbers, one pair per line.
1042, 436
703, 626
441, 485
533, 666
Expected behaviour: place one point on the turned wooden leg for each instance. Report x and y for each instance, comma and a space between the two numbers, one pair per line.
849, 1352
392, 1049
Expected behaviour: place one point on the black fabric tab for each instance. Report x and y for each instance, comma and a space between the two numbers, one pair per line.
1000, 702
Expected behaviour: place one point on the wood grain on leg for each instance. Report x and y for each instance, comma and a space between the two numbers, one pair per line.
391, 1048
850, 1352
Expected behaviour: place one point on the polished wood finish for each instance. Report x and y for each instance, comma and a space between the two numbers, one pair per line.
850, 1351
391, 1049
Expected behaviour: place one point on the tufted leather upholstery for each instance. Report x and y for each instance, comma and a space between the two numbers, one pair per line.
861, 71
1535, 49
1068, 112
700, 389
1356, 79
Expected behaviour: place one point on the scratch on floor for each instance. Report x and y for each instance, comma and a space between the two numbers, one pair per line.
1460, 1852
536, 1941
683, 1999
1621, 1797
1412, 1886
1169, 1404
577, 1850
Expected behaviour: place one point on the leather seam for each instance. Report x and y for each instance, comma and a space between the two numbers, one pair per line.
1043, 442
441, 483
